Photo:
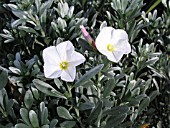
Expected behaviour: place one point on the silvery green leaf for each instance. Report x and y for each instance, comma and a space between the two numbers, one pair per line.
113, 121
152, 61
153, 95
68, 124
54, 25
9, 106
43, 17
53, 123
18, 56
86, 106
45, 126
118, 110
35, 93
3, 78
17, 64
73, 36
70, 11
65, 8
27, 29
58, 83
7, 36
81, 21
20, 14
21, 125
45, 6
89, 75
61, 23
64, 113
38, 5
95, 112
12, 6
109, 87
59, 9
28, 99
79, 14
44, 113
62, 9
18, 22
145, 102
33, 119
15, 70
3, 98
135, 91
166, 3
9, 40
154, 14
25, 116
47, 89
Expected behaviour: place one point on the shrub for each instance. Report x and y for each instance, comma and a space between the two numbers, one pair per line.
131, 93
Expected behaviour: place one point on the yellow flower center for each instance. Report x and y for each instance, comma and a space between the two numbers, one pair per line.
110, 48
63, 65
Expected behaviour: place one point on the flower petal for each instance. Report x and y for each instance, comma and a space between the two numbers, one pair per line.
117, 35
103, 39
65, 50
76, 59
69, 74
51, 71
104, 36
50, 55
115, 56
123, 46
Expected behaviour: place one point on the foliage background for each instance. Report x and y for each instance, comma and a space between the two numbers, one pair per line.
133, 92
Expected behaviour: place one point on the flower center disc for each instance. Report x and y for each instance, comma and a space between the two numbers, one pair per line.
63, 65
110, 47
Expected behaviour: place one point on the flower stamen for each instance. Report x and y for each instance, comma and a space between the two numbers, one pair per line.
110, 48
63, 65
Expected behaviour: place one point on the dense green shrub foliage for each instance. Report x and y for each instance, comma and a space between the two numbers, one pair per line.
127, 94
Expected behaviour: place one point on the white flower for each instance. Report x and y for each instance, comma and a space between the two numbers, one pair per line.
113, 43
61, 61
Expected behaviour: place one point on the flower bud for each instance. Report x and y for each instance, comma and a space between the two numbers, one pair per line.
88, 37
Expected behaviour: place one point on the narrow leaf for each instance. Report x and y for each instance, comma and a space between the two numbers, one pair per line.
143, 105
115, 120
109, 87
119, 110
86, 106
47, 89
3, 78
68, 124
88, 75
95, 113
153, 95
21, 125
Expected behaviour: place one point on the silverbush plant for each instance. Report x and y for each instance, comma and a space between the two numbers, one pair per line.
132, 93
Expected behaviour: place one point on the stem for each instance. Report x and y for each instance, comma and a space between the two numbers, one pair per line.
99, 86
69, 90
4, 113
99, 96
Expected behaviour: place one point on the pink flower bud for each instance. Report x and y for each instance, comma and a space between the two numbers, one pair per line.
88, 37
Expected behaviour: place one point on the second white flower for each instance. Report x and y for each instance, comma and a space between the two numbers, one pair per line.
113, 43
